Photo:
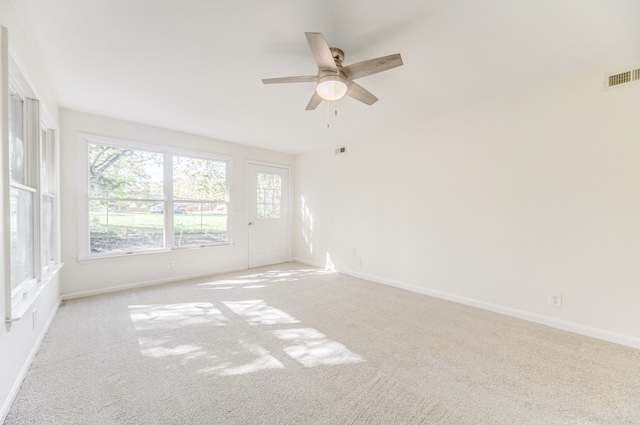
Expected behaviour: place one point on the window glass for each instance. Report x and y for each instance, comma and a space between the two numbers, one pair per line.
124, 173
269, 193
17, 146
47, 230
124, 188
46, 162
124, 226
21, 237
199, 179
200, 208
131, 209
48, 199
200, 223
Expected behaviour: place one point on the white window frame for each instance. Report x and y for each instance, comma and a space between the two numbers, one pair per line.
48, 268
31, 185
83, 142
19, 299
169, 172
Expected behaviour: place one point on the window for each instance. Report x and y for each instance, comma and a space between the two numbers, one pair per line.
141, 199
32, 223
48, 202
21, 199
124, 186
268, 192
199, 199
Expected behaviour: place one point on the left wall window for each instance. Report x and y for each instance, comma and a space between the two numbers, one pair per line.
22, 191
30, 182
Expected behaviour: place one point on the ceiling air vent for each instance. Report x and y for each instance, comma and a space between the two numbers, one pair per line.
632, 75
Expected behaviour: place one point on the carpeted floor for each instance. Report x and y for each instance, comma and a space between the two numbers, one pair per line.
290, 344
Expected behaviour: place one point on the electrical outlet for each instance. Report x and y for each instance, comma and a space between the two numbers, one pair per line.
555, 299
359, 261
169, 264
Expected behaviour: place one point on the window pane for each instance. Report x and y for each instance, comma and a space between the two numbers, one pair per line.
47, 159
124, 226
199, 179
17, 146
260, 211
268, 194
21, 215
124, 173
200, 224
47, 230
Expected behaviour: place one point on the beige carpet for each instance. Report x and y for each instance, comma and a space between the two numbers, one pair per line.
291, 344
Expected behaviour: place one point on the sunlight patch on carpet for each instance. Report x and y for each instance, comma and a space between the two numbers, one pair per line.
312, 348
258, 312
174, 316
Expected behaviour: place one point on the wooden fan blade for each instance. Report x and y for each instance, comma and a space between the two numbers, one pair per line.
358, 92
298, 79
314, 101
372, 66
321, 52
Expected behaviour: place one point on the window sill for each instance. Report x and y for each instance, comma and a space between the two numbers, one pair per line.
133, 255
19, 309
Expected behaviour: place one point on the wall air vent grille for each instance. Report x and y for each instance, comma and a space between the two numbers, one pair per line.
622, 78
625, 77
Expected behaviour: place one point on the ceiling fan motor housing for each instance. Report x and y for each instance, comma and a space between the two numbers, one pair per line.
331, 86
338, 55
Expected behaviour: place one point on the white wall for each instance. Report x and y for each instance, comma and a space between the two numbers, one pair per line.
94, 276
495, 205
19, 342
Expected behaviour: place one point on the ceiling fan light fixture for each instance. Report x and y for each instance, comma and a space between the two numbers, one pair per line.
331, 87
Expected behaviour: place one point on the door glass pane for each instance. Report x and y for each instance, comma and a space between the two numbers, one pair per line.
268, 195
201, 223
21, 240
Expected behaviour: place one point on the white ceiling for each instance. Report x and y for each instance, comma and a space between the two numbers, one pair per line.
196, 65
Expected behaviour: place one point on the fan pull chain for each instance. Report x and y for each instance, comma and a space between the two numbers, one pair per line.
335, 111
328, 115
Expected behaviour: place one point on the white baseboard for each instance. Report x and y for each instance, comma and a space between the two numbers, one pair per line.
577, 328
82, 294
27, 364
308, 263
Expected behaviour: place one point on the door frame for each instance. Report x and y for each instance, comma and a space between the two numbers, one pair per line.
289, 207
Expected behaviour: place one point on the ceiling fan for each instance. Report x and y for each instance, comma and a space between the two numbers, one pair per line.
333, 80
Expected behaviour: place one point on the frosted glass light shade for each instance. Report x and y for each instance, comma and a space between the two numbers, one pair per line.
331, 87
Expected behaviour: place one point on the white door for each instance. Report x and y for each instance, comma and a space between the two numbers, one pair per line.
268, 215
